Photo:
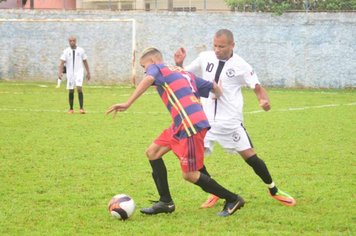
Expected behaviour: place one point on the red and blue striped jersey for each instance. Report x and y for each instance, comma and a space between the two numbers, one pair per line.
180, 91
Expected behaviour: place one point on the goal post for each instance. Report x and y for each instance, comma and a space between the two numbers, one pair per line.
32, 47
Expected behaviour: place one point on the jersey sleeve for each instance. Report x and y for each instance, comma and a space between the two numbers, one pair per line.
63, 55
194, 66
84, 55
250, 76
154, 71
204, 87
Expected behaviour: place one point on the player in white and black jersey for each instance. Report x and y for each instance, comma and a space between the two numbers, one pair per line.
74, 57
225, 114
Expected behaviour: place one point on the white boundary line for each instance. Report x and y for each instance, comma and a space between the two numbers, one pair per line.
5, 109
304, 108
86, 86
97, 86
119, 95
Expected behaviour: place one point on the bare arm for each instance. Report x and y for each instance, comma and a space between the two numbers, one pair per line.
60, 70
140, 89
262, 97
179, 56
86, 65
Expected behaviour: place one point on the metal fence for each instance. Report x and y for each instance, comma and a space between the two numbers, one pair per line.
120, 5
159, 5
185, 5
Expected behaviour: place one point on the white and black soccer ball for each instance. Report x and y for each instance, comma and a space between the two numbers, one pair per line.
121, 206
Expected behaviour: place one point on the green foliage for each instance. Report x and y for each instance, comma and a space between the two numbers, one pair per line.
281, 6
277, 7
336, 5
58, 171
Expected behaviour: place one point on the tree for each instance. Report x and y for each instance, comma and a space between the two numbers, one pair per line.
280, 6
335, 5
277, 6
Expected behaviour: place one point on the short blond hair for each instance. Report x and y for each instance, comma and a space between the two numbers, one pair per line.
151, 52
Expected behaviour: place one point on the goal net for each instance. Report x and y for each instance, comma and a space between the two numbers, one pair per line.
31, 48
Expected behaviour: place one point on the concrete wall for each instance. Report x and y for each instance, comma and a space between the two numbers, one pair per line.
292, 50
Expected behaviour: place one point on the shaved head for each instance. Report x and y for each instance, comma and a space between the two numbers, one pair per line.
72, 37
72, 41
224, 44
229, 35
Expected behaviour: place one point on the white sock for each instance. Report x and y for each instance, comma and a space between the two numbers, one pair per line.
271, 185
59, 83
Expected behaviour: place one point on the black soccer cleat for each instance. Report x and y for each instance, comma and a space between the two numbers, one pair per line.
159, 207
231, 207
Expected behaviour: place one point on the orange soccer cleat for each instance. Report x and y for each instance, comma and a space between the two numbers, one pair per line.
284, 198
210, 202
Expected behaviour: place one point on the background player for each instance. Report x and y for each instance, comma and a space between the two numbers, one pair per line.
225, 114
74, 57
185, 137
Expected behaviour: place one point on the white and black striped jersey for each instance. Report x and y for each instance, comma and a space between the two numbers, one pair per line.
235, 73
74, 62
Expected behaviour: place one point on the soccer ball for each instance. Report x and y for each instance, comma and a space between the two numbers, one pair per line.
121, 206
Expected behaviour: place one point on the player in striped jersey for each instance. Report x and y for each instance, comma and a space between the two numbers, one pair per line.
180, 91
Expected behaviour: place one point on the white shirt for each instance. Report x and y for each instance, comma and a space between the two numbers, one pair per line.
77, 71
235, 74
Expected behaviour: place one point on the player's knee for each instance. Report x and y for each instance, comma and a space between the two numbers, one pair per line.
151, 154
246, 154
187, 177
148, 153
191, 177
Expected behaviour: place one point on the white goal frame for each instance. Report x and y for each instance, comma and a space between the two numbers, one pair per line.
133, 39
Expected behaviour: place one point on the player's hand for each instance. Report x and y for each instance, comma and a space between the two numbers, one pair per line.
265, 104
88, 77
179, 56
117, 108
217, 90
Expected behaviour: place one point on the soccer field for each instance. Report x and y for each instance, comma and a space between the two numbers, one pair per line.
59, 171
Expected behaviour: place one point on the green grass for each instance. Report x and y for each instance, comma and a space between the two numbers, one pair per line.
59, 171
